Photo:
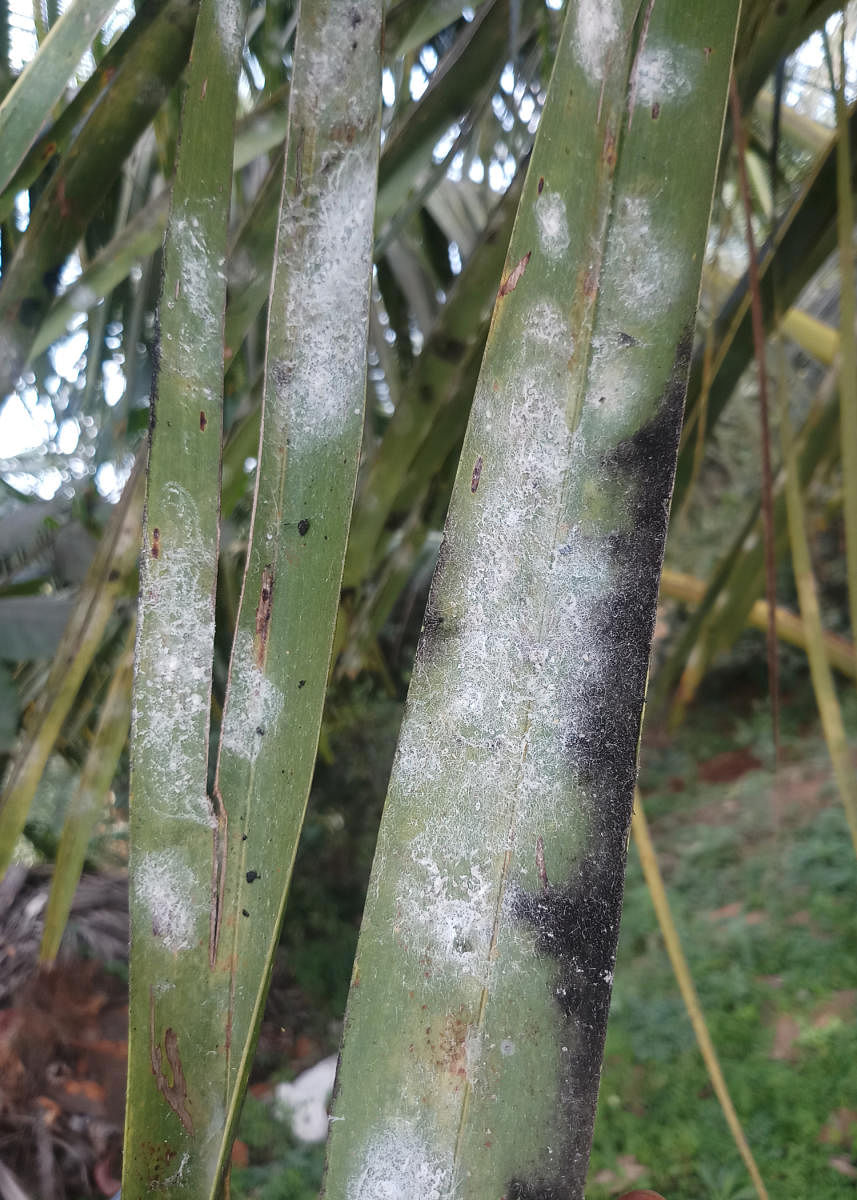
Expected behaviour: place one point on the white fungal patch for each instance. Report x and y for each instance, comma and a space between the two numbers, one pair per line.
546, 324
165, 887
175, 647
230, 28
254, 703
447, 912
643, 267
316, 379
662, 75
178, 1175
397, 1165
489, 758
611, 387
317, 386
197, 301
595, 33
338, 42
552, 223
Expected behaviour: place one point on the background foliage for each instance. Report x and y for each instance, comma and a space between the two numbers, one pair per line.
756, 856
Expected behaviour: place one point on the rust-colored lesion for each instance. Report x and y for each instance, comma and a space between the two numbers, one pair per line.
513, 278
218, 870
608, 150
156, 542
174, 1090
263, 615
446, 1045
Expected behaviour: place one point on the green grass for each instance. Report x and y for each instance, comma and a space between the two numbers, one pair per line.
782, 957
280, 1167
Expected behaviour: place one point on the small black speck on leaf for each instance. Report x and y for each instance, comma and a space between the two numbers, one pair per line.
244, 912
301, 683
260, 731
252, 876
303, 527
243, 837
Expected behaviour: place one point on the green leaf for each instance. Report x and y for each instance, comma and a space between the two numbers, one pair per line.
176, 1080
141, 81
29, 103
312, 426
479, 998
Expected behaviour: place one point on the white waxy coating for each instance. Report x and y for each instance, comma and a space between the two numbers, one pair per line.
596, 30
644, 267
398, 1166
552, 222
195, 298
661, 74
254, 703
327, 304
519, 649
173, 684
325, 246
164, 885
230, 27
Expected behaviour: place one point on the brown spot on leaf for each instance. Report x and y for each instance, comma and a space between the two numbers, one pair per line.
511, 282
64, 206
477, 472
608, 150
263, 615
173, 1090
541, 184
203, 421
656, 111
156, 542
